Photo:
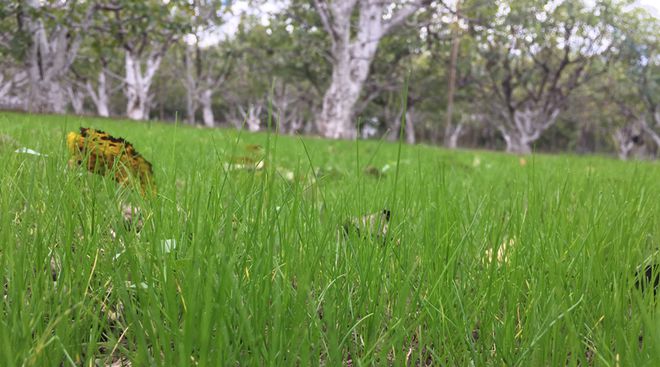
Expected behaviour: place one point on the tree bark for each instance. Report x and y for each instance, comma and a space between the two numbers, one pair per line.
516, 143
631, 139
288, 103
77, 99
251, 116
49, 58
336, 118
410, 126
202, 77
11, 95
5, 86
409, 129
100, 95
206, 99
351, 57
452, 136
451, 132
138, 84
625, 138
521, 127
652, 133
190, 82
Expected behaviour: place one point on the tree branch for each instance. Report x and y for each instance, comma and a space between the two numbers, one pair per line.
401, 15
324, 14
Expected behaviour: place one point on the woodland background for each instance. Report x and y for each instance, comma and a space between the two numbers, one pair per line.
521, 75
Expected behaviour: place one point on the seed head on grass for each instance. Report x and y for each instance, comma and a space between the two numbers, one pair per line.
502, 255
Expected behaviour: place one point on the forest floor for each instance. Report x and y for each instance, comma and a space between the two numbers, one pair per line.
256, 251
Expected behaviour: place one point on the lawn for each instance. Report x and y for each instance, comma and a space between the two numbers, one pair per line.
242, 258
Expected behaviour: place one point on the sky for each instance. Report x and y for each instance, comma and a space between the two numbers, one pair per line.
653, 6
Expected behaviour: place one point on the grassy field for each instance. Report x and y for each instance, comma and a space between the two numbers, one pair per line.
251, 267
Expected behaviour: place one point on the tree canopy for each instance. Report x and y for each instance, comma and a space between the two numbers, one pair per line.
518, 75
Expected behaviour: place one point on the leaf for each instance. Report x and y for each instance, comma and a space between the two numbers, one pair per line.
104, 154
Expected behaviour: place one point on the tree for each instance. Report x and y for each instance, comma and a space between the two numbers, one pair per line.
452, 132
13, 47
398, 61
460, 113
144, 30
96, 72
205, 70
51, 35
352, 54
281, 62
535, 56
204, 67
297, 53
635, 85
98, 88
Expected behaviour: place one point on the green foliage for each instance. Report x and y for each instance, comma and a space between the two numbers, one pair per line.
140, 25
13, 44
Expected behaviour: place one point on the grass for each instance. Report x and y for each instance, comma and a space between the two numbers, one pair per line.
261, 274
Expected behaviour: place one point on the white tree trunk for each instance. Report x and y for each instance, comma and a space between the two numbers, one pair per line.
39, 88
190, 83
49, 59
624, 142
410, 126
522, 127
191, 108
409, 129
206, 100
99, 95
202, 77
77, 99
286, 103
455, 132
649, 130
138, 83
5, 86
11, 89
56, 97
251, 117
296, 124
517, 143
12, 83
631, 142
352, 57
336, 118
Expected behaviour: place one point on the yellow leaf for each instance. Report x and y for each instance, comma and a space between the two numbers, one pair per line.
104, 154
